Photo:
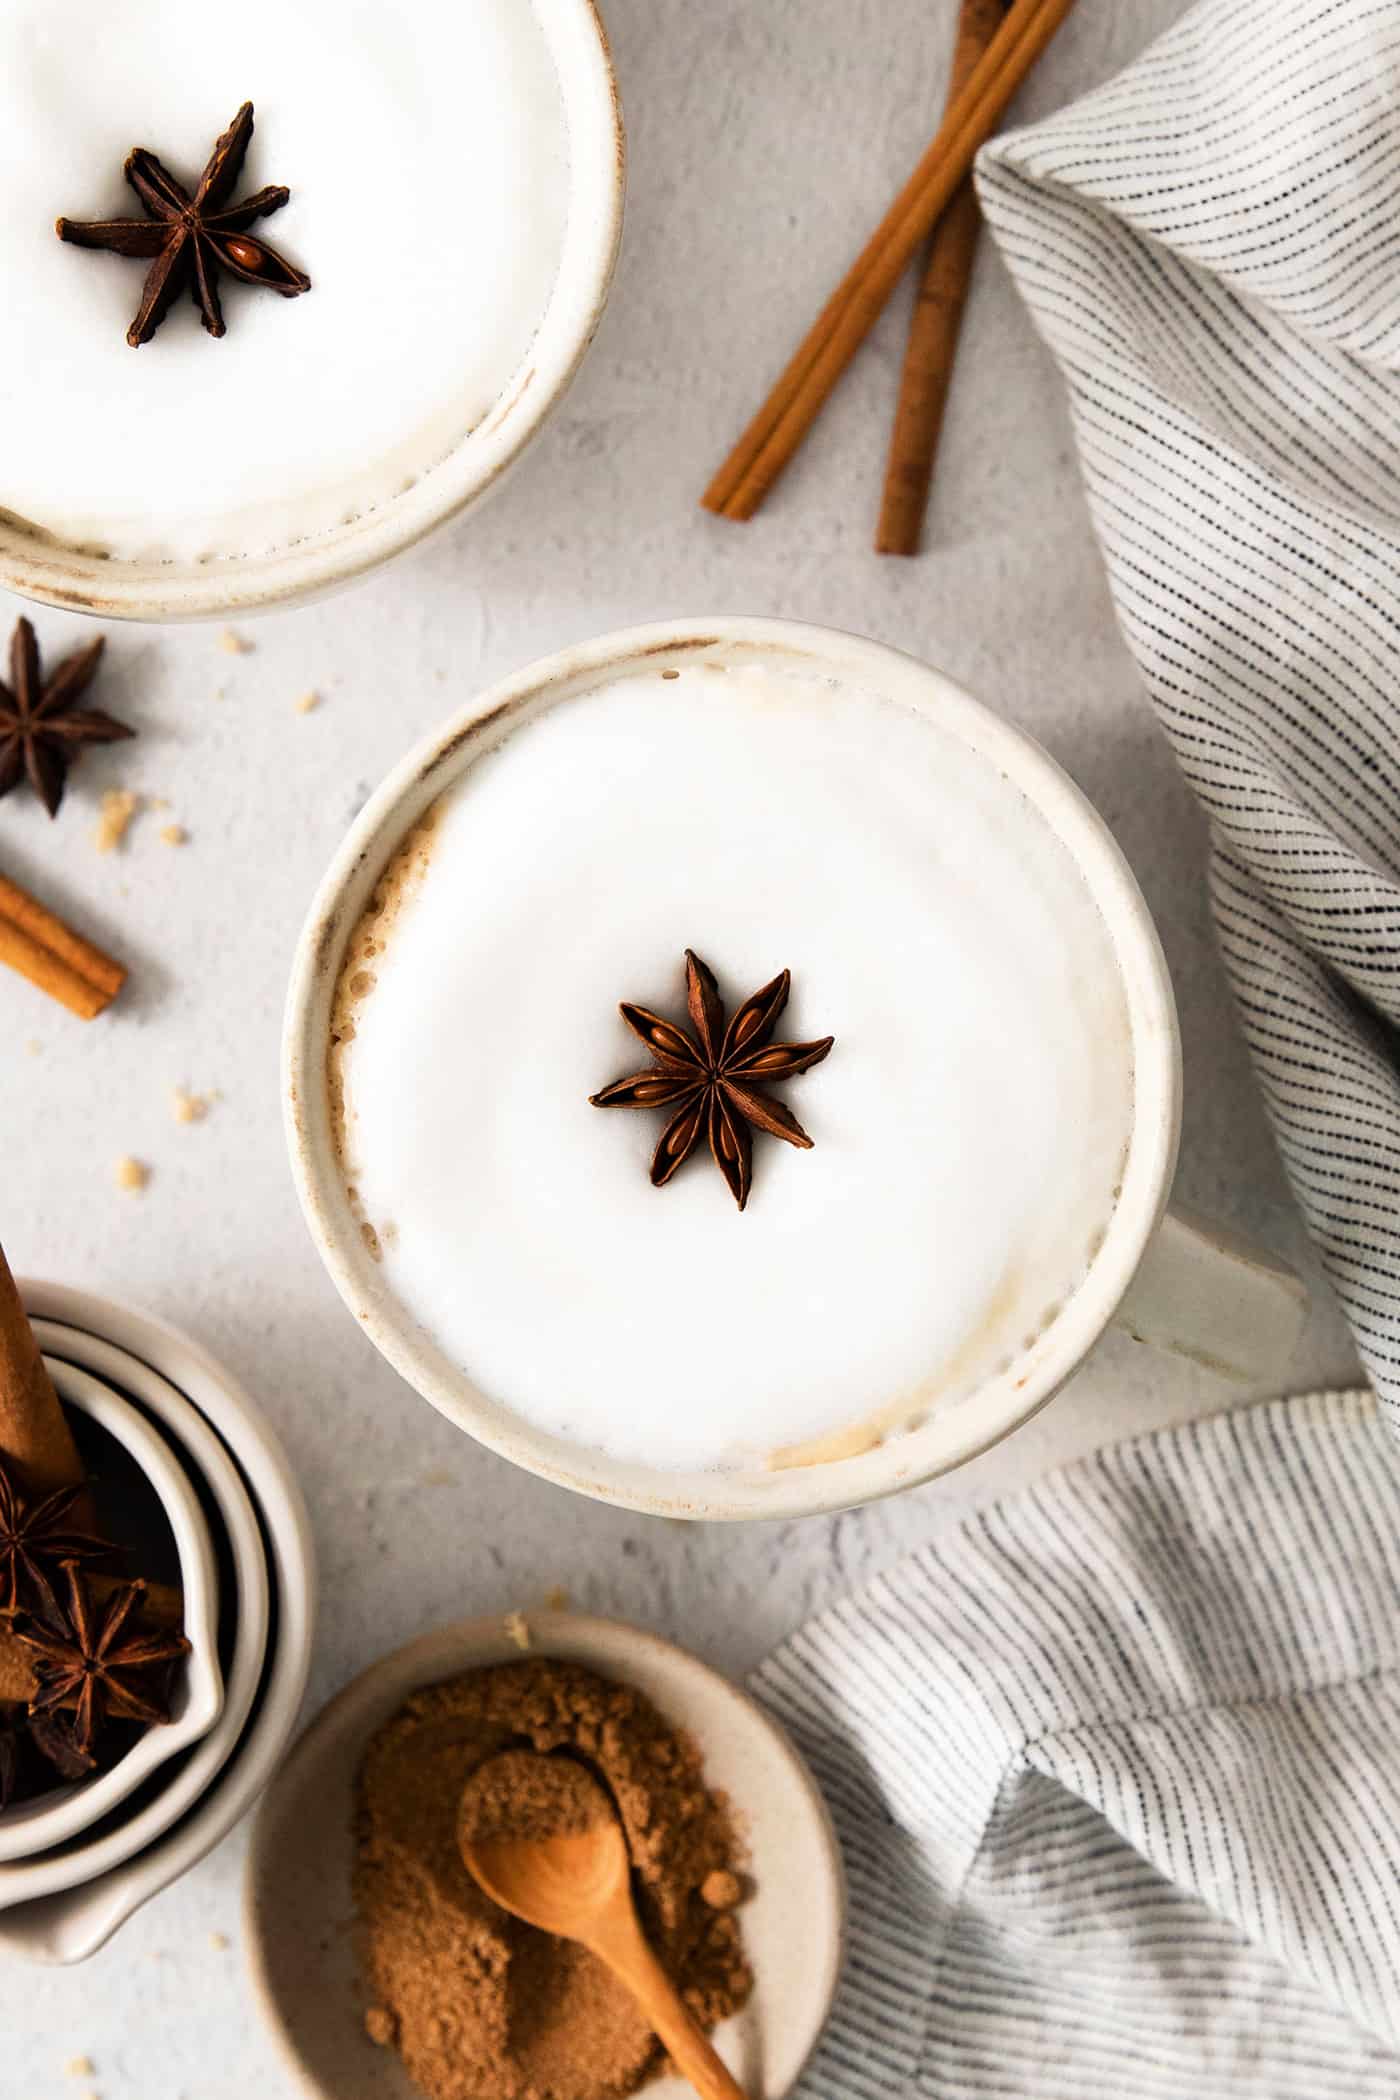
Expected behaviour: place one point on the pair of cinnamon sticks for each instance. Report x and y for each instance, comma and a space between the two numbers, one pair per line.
992, 59
37, 943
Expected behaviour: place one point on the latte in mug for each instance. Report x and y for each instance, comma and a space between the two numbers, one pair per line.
427, 154
968, 1128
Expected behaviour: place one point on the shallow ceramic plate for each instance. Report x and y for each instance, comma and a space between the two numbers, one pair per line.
71, 1926
38, 1827
298, 1907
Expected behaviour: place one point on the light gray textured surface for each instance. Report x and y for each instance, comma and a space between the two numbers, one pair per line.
765, 140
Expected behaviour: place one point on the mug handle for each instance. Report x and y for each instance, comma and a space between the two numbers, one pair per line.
1208, 1294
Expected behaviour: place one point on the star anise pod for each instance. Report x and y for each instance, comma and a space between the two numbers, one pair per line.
37, 1755
97, 1662
42, 729
55, 1738
35, 1537
712, 1077
188, 239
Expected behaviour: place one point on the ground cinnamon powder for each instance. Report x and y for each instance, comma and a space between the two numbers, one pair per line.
523, 1795
480, 2006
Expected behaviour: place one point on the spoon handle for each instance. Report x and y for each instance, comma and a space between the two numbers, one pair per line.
619, 1941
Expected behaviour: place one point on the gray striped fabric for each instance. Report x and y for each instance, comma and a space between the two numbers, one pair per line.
1117, 1767
1211, 247
1116, 1772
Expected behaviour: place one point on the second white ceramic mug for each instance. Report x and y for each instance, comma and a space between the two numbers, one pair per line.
74, 576
1170, 1280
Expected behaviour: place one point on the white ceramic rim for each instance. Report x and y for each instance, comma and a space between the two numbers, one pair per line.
70, 578
73, 1926
32, 1880
951, 1435
615, 1649
39, 1827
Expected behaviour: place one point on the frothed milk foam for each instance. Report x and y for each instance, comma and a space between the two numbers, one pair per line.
969, 1126
426, 150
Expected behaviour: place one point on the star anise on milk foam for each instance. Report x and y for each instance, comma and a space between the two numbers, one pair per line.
712, 1077
190, 239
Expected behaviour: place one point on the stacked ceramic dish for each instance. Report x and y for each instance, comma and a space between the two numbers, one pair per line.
76, 1863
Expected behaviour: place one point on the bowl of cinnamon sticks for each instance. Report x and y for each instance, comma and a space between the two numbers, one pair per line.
109, 1598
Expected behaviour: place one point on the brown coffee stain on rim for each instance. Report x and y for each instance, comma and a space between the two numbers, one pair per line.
907, 1413
619, 127
675, 647
478, 726
522, 697
512, 402
356, 979
325, 941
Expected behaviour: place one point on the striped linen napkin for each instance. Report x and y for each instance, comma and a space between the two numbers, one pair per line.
1117, 1777
1211, 247
1117, 1766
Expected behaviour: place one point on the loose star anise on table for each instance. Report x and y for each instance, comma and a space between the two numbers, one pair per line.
96, 1661
42, 728
36, 1536
188, 239
713, 1076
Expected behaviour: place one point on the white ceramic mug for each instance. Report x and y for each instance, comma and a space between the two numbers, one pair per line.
1168, 1279
74, 577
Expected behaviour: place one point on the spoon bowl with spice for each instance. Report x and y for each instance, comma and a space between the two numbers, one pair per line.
542, 1839
733, 1865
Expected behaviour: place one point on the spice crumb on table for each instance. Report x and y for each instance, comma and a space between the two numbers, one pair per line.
119, 806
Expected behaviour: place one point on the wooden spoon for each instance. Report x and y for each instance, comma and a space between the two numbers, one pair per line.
541, 1837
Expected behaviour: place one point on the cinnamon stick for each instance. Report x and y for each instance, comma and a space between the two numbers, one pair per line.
34, 1431
778, 429
936, 322
37, 943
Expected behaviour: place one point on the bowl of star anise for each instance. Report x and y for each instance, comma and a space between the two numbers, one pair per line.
109, 1666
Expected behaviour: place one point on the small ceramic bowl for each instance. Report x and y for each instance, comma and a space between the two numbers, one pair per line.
243, 1631
298, 1903
76, 1920
35, 1827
